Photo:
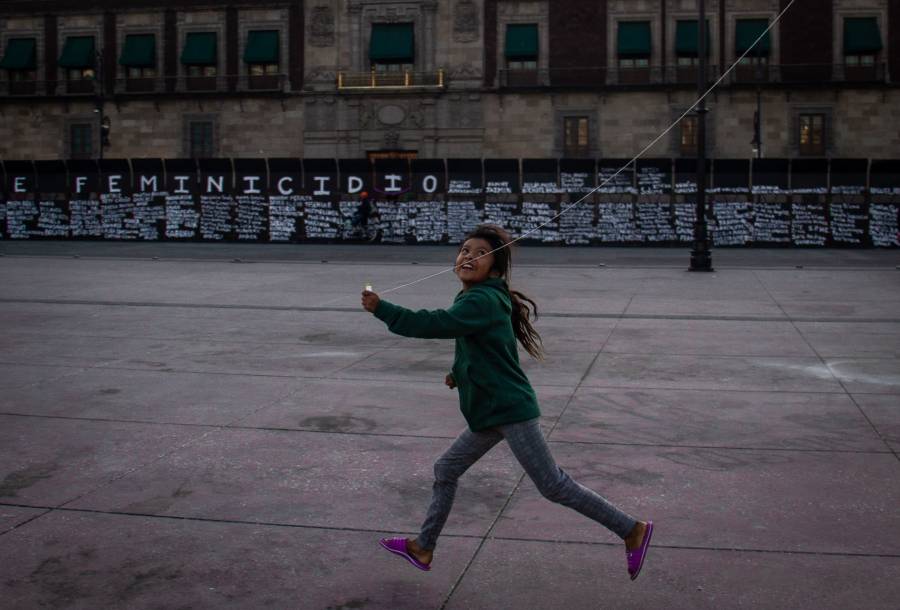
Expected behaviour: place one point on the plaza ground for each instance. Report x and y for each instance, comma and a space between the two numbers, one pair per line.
221, 426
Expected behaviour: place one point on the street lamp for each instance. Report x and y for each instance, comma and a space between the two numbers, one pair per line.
757, 116
103, 120
701, 258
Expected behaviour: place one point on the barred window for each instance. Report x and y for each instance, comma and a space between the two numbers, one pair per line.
576, 136
201, 140
812, 134
688, 143
81, 141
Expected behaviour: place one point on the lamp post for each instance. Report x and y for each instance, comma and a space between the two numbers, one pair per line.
103, 120
757, 117
701, 258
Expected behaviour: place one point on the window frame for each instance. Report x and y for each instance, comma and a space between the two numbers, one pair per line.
522, 62
86, 150
809, 149
197, 150
193, 77
391, 66
688, 149
633, 61
576, 150
261, 69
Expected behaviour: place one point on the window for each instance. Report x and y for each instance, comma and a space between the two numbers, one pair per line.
754, 61
78, 60
261, 53
521, 48
201, 139
688, 142
634, 44
576, 136
746, 33
20, 59
139, 56
862, 44
200, 58
81, 137
634, 52
392, 47
634, 62
686, 42
812, 134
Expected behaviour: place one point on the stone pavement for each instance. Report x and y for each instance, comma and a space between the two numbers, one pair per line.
189, 432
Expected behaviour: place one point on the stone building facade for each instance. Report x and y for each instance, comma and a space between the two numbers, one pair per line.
442, 79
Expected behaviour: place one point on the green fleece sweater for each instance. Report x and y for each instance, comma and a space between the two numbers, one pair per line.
493, 389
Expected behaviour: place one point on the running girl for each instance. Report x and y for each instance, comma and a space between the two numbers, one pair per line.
496, 399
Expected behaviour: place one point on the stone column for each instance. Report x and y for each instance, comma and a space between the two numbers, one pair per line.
356, 38
429, 10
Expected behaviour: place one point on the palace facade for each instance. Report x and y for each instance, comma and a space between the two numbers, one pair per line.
444, 79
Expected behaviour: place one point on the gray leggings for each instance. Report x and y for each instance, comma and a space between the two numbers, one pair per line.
531, 450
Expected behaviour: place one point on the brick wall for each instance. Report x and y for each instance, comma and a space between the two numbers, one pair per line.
806, 40
893, 42
490, 42
578, 40
296, 39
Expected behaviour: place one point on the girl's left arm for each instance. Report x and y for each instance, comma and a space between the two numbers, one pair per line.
470, 314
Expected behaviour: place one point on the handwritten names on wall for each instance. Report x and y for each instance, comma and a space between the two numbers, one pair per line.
462, 217
772, 223
733, 223
285, 214
807, 220
883, 224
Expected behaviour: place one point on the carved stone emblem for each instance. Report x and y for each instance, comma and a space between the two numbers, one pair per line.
465, 21
321, 26
366, 114
391, 140
391, 114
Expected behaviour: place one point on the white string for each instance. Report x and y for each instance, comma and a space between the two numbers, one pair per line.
619, 171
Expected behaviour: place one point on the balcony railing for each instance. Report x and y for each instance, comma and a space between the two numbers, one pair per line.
390, 80
789, 74
586, 78
139, 86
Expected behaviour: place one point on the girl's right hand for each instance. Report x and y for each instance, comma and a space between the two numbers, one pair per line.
370, 301
450, 381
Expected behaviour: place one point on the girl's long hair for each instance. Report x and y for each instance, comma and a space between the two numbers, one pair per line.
523, 308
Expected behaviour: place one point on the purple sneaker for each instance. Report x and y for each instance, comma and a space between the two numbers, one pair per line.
398, 547
637, 556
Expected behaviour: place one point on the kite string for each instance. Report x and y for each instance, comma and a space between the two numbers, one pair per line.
619, 171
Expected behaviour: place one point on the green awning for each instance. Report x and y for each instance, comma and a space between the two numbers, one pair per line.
634, 39
262, 47
686, 38
861, 36
139, 51
522, 41
746, 31
20, 54
392, 42
199, 49
78, 52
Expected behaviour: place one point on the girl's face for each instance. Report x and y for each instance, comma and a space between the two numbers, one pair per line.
469, 270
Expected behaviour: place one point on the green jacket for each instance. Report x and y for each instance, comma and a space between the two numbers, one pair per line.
493, 389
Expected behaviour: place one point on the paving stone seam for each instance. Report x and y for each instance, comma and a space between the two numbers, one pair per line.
315, 259
435, 436
548, 314
824, 362
27, 521
169, 452
518, 483
301, 526
105, 367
